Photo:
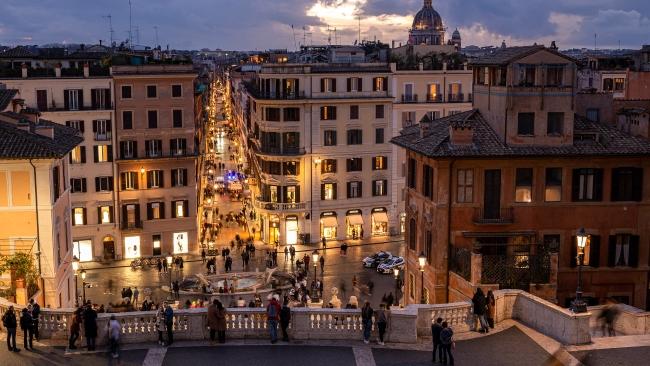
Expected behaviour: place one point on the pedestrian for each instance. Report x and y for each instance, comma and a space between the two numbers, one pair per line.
36, 313
381, 320
436, 328
322, 264
114, 335
212, 319
90, 326
480, 307
366, 319
26, 324
292, 252
305, 259
389, 299
136, 294
169, 324
164, 265
286, 253
371, 286
10, 323
203, 255
354, 281
272, 314
447, 342
285, 318
75, 329
160, 323
324, 241
221, 322
491, 308
160, 266
607, 318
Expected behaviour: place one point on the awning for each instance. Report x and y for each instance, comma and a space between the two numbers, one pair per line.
355, 219
329, 221
380, 216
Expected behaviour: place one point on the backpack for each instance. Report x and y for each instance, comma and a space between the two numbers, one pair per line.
272, 311
445, 336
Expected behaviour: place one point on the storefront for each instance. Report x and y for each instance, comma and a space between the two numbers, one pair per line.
156, 240
291, 223
379, 221
328, 225
109, 247
402, 223
181, 243
354, 224
83, 250
274, 229
131, 247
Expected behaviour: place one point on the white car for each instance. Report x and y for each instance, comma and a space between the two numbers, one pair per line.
375, 259
387, 266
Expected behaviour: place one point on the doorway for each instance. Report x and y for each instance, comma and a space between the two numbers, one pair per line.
492, 194
109, 248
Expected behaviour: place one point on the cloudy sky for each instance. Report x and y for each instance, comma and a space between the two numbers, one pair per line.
263, 24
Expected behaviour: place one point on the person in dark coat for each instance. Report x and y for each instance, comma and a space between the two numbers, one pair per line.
90, 326
36, 313
480, 307
10, 323
75, 329
436, 328
212, 319
285, 318
26, 324
221, 322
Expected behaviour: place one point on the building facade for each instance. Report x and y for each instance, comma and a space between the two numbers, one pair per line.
156, 160
496, 195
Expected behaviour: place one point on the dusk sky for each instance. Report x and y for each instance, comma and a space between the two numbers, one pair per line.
263, 24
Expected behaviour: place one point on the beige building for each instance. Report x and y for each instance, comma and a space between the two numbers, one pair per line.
82, 99
320, 137
35, 200
428, 94
156, 159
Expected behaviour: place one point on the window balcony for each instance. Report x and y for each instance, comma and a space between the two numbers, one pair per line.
131, 225
434, 98
279, 206
105, 136
409, 98
499, 217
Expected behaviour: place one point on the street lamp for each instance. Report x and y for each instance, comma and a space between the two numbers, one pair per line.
397, 286
75, 268
169, 265
83, 282
579, 305
422, 260
314, 257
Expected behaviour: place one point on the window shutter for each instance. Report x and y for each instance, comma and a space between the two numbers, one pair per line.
322, 85
575, 185
174, 209
173, 145
333, 112
96, 153
67, 123
111, 214
107, 98
611, 251
80, 97
81, 126
297, 88
349, 189
174, 177
110, 183
633, 259
70, 157
147, 146
83, 185
333, 85
322, 113
125, 218
137, 215
99, 215
374, 163
149, 178
134, 144
184, 177
97, 184
349, 84
598, 184
85, 218
637, 184
385, 187
359, 84
385, 83
66, 99
108, 125
335, 190
136, 181
573, 261
297, 194
122, 181
93, 98
122, 147
149, 212
374, 187
186, 208
162, 209
83, 154
594, 251
322, 191
161, 180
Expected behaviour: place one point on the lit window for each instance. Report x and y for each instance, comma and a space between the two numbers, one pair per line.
79, 216
465, 186
329, 191
179, 208
76, 155
102, 153
105, 214
273, 190
524, 185
553, 189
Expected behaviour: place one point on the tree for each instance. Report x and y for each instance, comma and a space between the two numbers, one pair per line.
20, 266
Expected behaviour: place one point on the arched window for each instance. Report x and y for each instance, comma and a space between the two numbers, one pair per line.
412, 235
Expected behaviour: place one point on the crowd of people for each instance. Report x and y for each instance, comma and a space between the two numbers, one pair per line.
28, 321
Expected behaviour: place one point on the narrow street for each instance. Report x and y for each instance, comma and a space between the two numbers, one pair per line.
103, 285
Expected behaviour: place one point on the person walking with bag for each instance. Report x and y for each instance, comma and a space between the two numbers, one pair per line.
447, 341
436, 328
381, 320
114, 330
26, 324
160, 324
75, 329
366, 318
90, 326
491, 308
169, 324
479, 303
36, 313
272, 314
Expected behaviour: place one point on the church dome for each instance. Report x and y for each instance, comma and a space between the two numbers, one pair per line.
427, 18
455, 35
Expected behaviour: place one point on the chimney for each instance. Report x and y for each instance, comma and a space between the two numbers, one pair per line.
461, 134
23, 69
57, 70
86, 70
421, 66
425, 128
47, 131
17, 105
30, 114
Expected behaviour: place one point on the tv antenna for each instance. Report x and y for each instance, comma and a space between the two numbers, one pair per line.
130, 26
155, 28
110, 26
304, 35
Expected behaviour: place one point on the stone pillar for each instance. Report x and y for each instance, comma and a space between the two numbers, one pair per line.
57, 70
300, 323
402, 326
476, 269
23, 69
86, 70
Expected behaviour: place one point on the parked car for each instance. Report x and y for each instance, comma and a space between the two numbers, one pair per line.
388, 265
374, 260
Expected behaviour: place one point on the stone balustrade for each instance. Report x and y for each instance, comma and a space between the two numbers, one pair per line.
405, 325
630, 320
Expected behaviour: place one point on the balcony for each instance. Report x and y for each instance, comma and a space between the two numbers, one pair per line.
459, 98
409, 98
131, 225
105, 136
501, 217
159, 155
434, 98
278, 206
281, 151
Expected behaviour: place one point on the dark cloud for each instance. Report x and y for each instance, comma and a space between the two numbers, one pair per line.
260, 24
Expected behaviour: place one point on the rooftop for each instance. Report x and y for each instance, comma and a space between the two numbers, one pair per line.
22, 139
504, 56
6, 96
590, 139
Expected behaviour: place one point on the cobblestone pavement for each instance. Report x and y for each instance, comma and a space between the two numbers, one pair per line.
630, 356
